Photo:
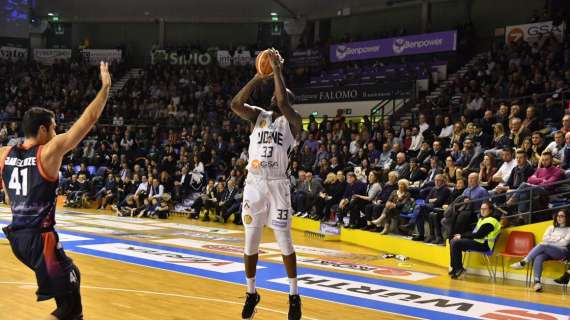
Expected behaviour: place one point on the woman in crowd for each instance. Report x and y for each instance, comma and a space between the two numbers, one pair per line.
451, 171
554, 246
333, 190
398, 199
486, 171
360, 201
127, 207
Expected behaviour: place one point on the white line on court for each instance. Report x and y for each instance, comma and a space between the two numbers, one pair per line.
160, 294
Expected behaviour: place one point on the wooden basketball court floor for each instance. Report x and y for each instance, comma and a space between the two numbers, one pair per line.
182, 269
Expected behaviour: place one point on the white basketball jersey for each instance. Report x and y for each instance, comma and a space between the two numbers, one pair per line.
269, 146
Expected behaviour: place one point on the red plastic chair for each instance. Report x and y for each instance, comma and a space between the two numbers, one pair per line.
519, 245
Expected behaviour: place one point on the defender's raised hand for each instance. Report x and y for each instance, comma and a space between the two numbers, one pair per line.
105, 75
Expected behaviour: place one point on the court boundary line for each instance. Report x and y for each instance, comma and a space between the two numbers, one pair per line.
176, 295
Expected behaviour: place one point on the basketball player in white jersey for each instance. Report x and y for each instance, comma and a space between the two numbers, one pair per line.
266, 198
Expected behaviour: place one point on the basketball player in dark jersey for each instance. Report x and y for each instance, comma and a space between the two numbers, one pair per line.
30, 177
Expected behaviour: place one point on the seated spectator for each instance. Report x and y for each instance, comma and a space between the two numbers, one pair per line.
500, 140
126, 208
359, 202
142, 191
554, 246
482, 239
438, 195
307, 194
230, 203
155, 208
182, 184
540, 183
533, 157
487, 170
373, 210
451, 172
416, 175
401, 166
465, 209
156, 189
556, 147
330, 196
503, 174
395, 204
353, 188
206, 200
565, 159
108, 192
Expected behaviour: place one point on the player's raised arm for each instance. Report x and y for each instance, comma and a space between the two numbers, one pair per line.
281, 95
55, 149
239, 102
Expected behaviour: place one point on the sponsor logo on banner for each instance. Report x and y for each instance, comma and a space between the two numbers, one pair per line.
360, 93
13, 53
417, 299
204, 236
95, 56
176, 58
196, 244
533, 32
377, 271
415, 44
198, 228
50, 56
319, 251
118, 225
166, 256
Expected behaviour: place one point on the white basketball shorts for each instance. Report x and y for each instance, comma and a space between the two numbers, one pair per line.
267, 203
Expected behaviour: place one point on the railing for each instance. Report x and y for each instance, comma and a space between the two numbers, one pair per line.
558, 190
379, 110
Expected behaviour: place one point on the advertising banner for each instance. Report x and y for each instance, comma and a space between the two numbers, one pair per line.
533, 32
94, 56
13, 53
50, 56
353, 93
305, 58
399, 46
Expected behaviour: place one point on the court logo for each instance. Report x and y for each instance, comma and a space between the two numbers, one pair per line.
167, 256
406, 298
343, 265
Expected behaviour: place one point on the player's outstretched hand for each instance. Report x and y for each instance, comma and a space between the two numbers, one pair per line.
105, 75
275, 59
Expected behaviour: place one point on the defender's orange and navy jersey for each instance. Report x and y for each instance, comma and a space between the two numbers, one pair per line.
31, 191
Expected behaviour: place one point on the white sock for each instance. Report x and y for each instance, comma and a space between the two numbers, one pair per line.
293, 289
250, 285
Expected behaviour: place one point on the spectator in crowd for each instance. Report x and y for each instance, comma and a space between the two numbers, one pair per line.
230, 203
487, 171
465, 210
556, 147
108, 193
156, 189
540, 183
554, 246
504, 172
182, 184
126, 208
206, 200
359, 202
436, 198
307, 194
482, 239
330, 196
373, 210
142, 192
353, 188
399, 200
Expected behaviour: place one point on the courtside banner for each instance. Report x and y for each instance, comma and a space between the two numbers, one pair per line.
399, 46
13, 53
533, 32
94, 56
50, 56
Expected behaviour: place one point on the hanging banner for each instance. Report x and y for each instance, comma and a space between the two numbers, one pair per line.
353, 93
305, 58
13, 53
176, 58
533, 32
400, 46
50, 56
95, 56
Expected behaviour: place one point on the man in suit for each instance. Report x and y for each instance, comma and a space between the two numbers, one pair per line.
230, 204
311, 189
401, 166
354, 187
206, 199
125, 171
182, 184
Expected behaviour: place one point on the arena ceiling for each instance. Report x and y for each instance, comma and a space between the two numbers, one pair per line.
205, 10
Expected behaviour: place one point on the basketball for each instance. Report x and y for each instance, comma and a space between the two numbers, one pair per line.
262, 63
